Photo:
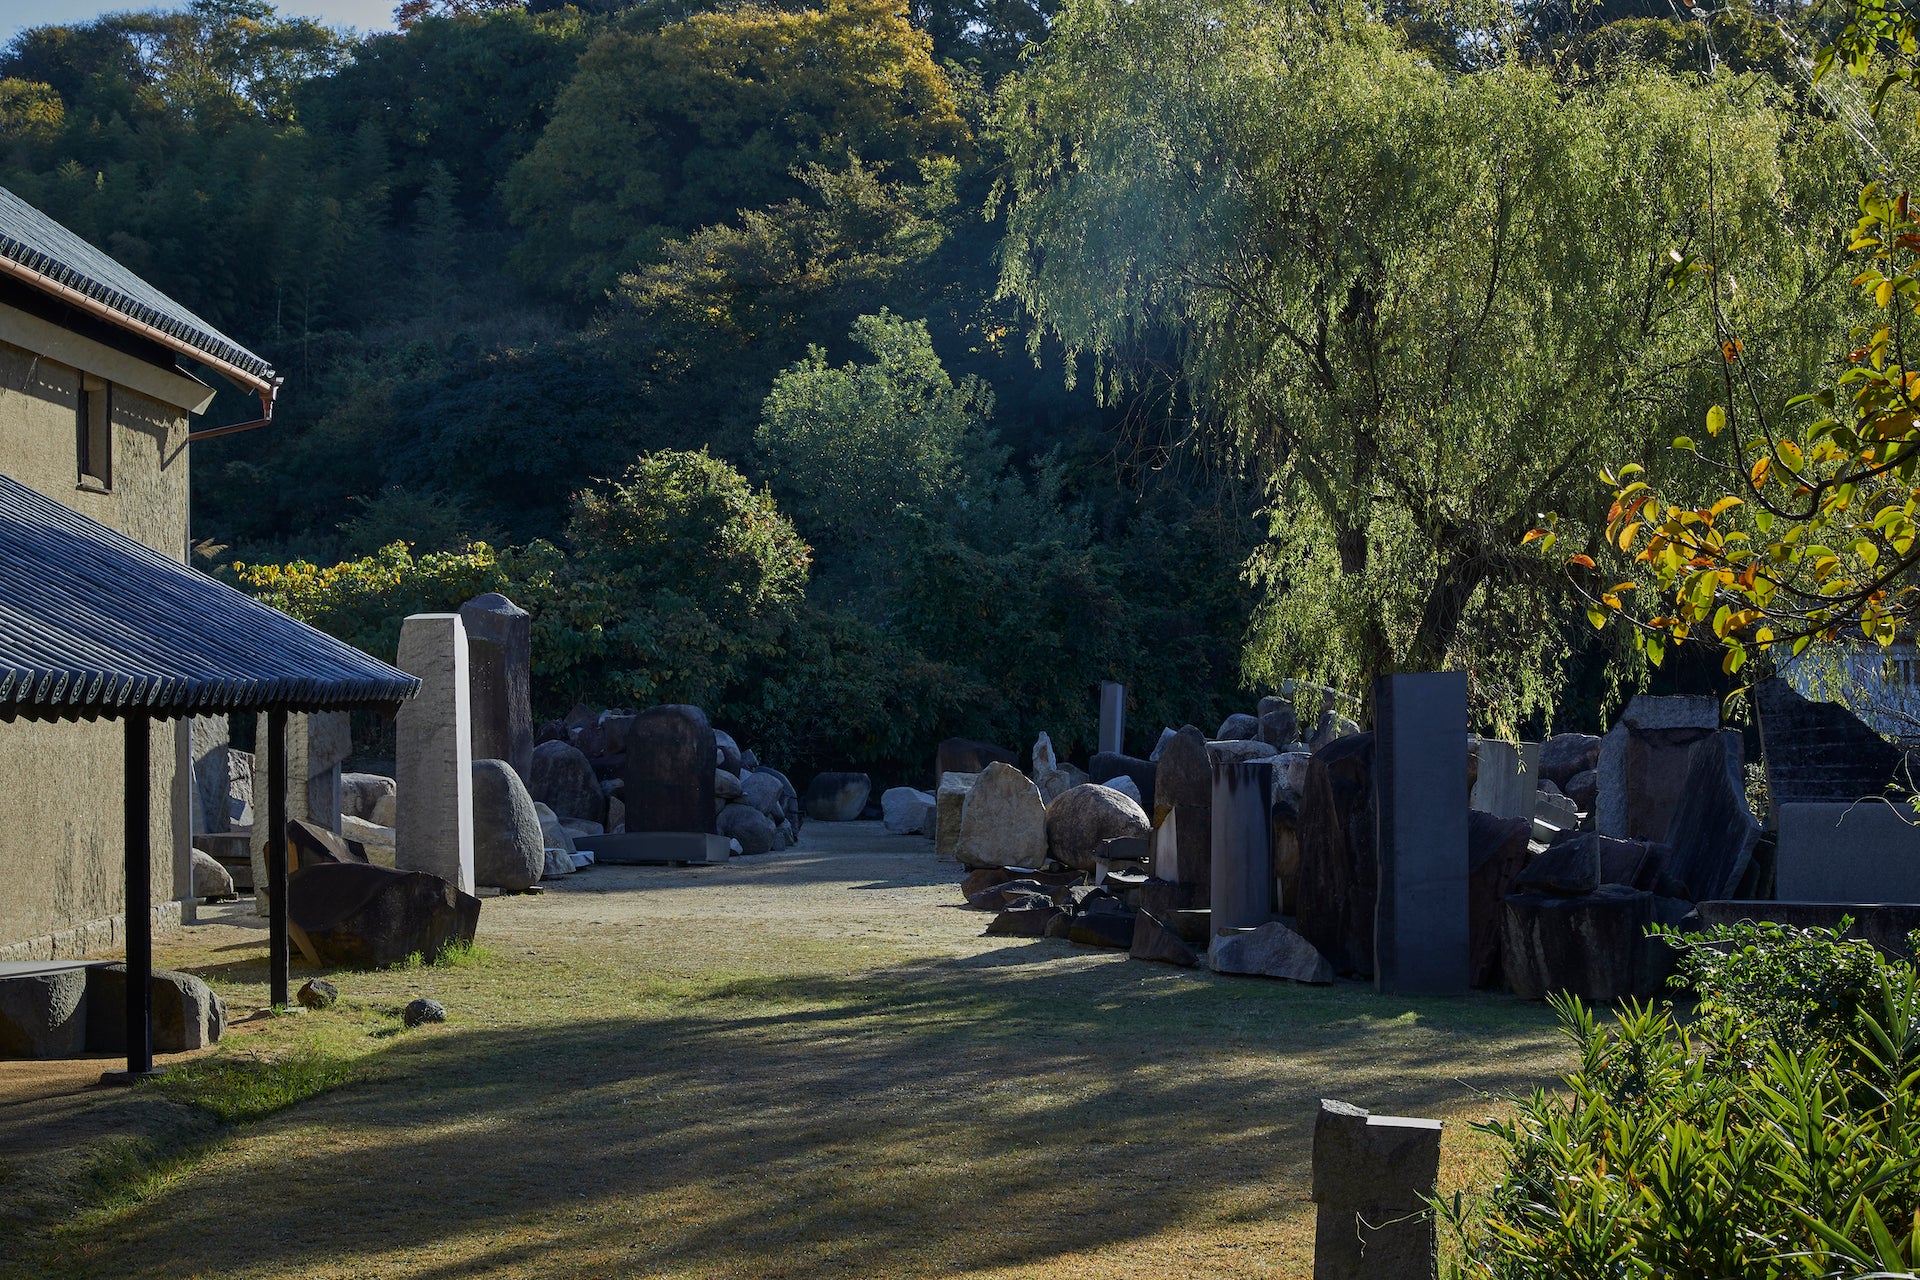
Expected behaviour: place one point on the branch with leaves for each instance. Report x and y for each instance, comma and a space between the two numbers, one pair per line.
1814, 535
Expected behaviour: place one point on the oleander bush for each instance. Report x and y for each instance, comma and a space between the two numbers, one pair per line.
1774, 1131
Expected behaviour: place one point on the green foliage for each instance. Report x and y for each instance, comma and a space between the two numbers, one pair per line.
1777, 1135
664, 130
1413, 305
866, 452
677, 576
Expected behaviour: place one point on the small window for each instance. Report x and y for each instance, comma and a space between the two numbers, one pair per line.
93, 426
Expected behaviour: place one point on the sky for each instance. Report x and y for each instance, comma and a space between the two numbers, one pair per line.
17, 15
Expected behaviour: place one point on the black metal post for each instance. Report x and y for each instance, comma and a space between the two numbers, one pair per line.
139, 903
276, 851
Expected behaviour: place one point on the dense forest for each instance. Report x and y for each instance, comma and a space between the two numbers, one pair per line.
870, 373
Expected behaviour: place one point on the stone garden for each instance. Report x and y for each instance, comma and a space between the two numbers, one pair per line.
1286, 849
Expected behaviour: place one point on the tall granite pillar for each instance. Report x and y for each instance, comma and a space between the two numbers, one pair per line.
1113, 717
670, 768
1242, 864
1420, 934
1371, 1177
433, 763
499, 657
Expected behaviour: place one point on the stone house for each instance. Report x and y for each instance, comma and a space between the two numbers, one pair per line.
100, 378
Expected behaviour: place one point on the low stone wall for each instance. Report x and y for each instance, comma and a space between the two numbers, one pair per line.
90, 939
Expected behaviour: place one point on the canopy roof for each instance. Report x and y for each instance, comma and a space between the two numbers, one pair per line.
63, 263
94, 625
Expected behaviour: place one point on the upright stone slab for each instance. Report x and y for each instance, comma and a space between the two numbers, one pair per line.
499, 656
1339, 873
949, 802
1420, 936
212, 776
1371, 1177
1113, 716
669, 777
1643, 764
1817, 752
433, 753
1184, 779
317, 745
1242, 864
1712, 835
1502, 786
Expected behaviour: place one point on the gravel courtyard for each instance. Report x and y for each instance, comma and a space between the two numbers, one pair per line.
804, 1064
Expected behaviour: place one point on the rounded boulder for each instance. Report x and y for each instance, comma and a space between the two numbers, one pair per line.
726, 752
836, 797
1086, 816
563, 780
1237, 727
509, 849
752, 828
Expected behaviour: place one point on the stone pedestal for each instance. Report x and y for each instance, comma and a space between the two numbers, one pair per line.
433, 749
1371, 1177
1113, 716
1421, 940
1242, 864
499, 656
670, 765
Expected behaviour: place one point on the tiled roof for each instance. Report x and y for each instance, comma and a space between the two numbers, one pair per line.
47, 249
95, 625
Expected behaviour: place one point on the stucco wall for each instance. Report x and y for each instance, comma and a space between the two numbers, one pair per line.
61, 785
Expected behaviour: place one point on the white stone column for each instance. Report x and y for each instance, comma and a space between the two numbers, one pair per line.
433, 764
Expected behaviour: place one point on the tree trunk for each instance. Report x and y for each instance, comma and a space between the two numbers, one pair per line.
1460, 576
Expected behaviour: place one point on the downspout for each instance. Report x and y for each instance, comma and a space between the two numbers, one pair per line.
268, 394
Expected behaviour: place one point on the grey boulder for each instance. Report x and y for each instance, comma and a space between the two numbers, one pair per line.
184, 1012
509, 847
210, 879
43, 1012
907, 811
752, 828
1237, 726
1271, 951
836, 797
564, 781
368, 795
728, 752
1082, 818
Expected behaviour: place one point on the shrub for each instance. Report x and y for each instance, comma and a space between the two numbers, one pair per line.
1775, 1135
678, 576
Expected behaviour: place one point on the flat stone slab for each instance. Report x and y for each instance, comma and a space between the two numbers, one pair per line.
653, 848
1832, 852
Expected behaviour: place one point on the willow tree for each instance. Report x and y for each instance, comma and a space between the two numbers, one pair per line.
1423, 307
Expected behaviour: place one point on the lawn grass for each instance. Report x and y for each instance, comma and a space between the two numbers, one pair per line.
786, 1068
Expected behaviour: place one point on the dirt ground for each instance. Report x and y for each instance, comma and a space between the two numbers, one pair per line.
799, 1065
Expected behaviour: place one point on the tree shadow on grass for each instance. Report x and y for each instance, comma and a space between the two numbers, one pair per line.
933, 1118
